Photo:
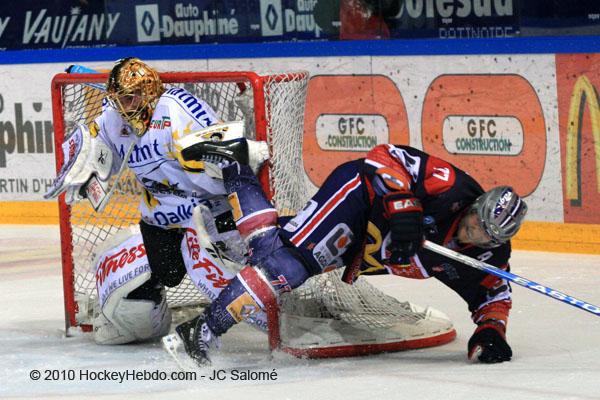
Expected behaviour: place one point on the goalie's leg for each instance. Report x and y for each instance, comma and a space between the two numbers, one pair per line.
163, 249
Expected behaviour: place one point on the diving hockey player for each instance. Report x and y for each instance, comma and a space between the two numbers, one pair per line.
372, 215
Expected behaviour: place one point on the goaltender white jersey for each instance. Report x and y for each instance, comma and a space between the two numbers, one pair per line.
172, 186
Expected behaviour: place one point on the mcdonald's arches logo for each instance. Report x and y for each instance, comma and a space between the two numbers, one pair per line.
583, 93
578, 78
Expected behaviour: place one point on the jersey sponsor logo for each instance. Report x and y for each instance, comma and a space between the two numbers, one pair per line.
163, 188
164, 122
112, 263
329, 250
141, 154
192, 104
180, 214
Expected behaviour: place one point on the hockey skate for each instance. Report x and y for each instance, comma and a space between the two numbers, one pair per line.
244, 151
196, 337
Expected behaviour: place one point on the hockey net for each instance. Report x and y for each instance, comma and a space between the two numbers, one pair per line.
323, 318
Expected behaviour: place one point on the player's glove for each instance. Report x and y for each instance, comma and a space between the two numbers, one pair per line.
488, 343
405, 216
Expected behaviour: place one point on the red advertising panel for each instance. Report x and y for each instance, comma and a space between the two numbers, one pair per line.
346, 116
492, 126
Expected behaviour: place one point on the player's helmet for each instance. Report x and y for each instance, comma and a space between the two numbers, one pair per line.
134, 88
501, 212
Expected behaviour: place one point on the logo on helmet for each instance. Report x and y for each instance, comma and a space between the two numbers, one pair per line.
503, 202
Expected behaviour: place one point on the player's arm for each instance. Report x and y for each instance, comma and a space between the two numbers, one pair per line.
489, 301
488, 343
393, 183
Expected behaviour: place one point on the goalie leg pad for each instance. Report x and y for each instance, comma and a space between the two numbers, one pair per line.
124, 320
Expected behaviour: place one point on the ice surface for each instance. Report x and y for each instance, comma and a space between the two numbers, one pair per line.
556, 346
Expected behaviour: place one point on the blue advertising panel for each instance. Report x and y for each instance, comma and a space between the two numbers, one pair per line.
63, 24
69, 24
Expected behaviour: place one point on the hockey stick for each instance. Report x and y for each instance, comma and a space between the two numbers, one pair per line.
490, 269
80, 69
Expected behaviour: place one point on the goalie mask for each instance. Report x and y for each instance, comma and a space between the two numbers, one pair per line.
500, 212
133, 89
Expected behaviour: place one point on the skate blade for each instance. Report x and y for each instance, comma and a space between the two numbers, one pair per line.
172, 344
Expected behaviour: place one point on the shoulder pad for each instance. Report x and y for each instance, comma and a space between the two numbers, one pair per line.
192, 106
439, 176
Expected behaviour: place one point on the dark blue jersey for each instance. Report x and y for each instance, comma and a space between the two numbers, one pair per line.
345, 223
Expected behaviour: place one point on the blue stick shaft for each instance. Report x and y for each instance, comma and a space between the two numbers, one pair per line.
480, 265
80, 69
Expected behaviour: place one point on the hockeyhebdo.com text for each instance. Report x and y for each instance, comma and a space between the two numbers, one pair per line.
132, 375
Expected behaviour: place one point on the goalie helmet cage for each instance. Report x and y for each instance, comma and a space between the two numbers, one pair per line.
323, 318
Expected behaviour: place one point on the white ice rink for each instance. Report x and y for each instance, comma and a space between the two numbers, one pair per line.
556, 346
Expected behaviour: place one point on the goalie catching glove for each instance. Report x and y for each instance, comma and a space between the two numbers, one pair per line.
87, 167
